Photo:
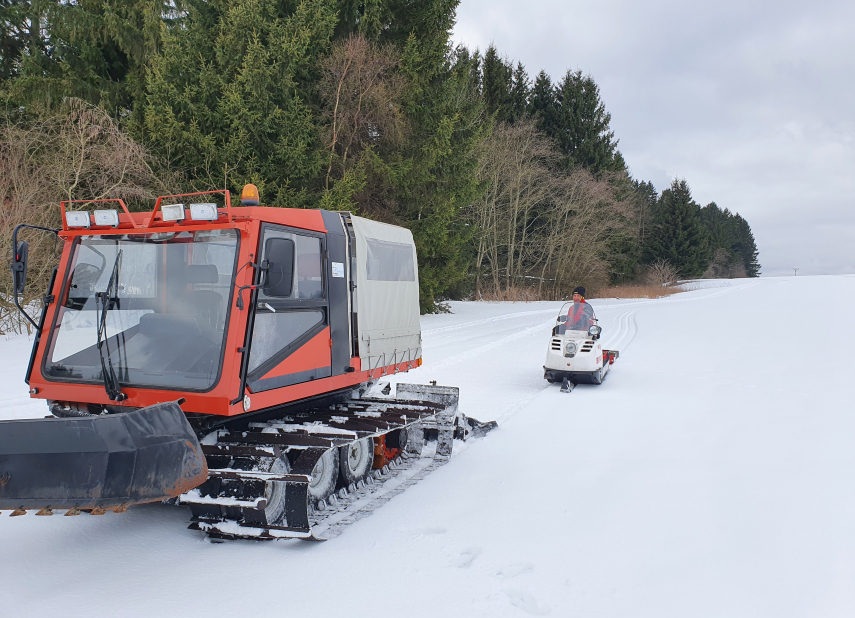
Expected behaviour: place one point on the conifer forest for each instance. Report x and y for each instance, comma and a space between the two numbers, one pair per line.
511, 180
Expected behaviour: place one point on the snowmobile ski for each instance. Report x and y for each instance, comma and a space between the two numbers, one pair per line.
567, 386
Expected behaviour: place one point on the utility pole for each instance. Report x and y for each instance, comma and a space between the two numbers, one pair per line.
795, 272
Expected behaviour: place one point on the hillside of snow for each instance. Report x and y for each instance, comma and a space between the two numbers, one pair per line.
712, 474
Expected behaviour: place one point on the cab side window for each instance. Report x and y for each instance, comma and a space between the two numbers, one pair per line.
308, 273
285, 322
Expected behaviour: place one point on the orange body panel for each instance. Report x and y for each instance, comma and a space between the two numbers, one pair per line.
316, 353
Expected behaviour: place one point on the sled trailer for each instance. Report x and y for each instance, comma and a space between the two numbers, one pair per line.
232, 359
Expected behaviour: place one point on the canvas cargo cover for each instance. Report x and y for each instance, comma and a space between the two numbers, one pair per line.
387, 294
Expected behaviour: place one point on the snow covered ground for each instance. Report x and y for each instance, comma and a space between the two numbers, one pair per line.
711, 474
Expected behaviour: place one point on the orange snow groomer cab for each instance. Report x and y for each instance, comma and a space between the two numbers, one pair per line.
225, 311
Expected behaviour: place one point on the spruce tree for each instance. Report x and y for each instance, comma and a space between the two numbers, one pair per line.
446, 115
582, 126
14, 35
497, 83
520, 93
97, 50
746, 248
230, 96
730, 236
678, 234
542, 106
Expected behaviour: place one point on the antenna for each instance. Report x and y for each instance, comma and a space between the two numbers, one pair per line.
795, 272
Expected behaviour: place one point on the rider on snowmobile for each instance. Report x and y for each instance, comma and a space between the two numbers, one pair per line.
580, 315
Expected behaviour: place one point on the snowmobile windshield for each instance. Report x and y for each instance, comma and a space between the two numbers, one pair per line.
580, 316
169, 306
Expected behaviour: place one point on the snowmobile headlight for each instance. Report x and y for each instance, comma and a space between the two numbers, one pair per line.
172, 212
594, 330
570, 348
77, 218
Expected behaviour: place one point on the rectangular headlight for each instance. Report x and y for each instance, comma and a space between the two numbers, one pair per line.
172, 212
77, 218
204, 212
106, 217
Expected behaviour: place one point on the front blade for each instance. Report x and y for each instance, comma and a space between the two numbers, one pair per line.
109, 461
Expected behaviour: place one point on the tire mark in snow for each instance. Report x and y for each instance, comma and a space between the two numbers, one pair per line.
496, 343
465, 325
520, 403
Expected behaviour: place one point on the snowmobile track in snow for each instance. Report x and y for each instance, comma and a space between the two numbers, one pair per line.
625, 333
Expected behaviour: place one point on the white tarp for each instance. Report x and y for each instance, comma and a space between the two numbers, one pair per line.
387, 294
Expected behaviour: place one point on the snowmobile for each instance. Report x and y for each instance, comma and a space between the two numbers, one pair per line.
575, 354
229, 359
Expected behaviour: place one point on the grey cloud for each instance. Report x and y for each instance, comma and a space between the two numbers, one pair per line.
751, 102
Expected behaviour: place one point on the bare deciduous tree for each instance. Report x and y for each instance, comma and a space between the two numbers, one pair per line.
662, 273
539, 230
80, 153
361, 91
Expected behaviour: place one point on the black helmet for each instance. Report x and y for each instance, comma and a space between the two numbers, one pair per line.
580, 291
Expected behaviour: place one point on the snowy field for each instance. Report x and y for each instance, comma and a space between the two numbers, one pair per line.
712, 474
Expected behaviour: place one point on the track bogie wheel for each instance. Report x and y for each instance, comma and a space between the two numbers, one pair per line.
274, 493
355, 461
324, 476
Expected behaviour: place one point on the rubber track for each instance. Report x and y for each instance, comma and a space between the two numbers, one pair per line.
233, 508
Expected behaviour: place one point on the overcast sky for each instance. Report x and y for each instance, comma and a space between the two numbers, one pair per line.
753, 103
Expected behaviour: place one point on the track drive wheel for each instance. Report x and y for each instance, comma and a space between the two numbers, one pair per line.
355, 460
274, 493
324, 476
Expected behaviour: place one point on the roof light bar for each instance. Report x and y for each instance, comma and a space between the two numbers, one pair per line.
172, 212
78, 218
106, 218
204, 212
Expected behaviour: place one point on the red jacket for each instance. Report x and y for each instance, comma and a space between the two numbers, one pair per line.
580, 316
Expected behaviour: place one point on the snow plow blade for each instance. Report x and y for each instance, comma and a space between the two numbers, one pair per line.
100, 462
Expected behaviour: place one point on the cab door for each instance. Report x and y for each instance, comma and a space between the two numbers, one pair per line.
290, 341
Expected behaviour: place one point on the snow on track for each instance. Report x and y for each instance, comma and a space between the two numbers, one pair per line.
711, 474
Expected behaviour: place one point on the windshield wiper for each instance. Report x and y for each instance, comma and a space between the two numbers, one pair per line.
108, 299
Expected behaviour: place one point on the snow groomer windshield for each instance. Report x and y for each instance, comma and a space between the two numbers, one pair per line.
145, 310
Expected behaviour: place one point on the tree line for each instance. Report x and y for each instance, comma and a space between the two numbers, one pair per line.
508, 183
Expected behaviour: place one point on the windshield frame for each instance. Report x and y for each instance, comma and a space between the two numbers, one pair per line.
50, 339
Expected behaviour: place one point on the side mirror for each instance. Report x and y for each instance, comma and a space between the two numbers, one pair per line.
594, 330
279, 257
562, 319
19, 267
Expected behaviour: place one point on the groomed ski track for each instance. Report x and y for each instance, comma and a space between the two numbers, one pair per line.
712, 474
